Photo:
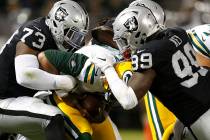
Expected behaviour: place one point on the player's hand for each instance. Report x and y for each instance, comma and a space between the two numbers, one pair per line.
103, 61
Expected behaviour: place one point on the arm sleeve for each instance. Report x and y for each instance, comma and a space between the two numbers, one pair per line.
123, 93
66, 62
29, 75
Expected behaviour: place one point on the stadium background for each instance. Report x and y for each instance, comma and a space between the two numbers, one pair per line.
184, 13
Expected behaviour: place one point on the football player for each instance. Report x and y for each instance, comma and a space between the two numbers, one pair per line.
159, 117
103, 36
85, 123
84, 119
163, 62
63, 29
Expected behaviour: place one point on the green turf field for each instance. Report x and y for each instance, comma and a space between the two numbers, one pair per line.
131, 134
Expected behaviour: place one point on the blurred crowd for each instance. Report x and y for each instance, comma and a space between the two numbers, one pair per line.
184, 13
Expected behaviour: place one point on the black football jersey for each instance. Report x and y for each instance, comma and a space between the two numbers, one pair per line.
37, 36
180, 84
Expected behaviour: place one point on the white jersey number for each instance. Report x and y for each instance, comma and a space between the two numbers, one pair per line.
41, 38
145, 61
182, 64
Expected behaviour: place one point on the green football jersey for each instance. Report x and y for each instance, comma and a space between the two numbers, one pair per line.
66, 62
79, 66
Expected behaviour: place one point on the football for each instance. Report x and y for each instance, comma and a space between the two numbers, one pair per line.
93, 106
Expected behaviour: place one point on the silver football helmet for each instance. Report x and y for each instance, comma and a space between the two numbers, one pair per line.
68, 23
133, 26
156, 9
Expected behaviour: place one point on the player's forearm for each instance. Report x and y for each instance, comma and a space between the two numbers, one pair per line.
29, 75
123, 93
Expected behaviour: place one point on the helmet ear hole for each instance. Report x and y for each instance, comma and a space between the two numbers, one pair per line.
137, 35
54, 23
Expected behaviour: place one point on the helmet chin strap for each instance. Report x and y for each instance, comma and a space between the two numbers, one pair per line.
71, 50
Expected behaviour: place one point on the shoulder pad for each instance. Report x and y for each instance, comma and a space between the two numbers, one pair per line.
200, 39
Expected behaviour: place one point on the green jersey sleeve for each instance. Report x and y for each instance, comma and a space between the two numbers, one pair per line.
66, 62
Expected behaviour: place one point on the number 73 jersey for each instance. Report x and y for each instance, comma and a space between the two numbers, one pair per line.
180, 83
37, 36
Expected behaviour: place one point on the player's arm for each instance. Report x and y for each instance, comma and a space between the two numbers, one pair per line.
46, 65
128, 95
123, 93
140, 82
138, 85
65, 62
27, 69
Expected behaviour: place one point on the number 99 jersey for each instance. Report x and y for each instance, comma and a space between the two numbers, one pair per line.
179, 79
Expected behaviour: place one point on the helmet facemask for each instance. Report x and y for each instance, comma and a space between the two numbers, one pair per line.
73, 37
124, 45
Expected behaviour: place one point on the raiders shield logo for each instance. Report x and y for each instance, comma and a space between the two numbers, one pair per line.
131, 24
61, 14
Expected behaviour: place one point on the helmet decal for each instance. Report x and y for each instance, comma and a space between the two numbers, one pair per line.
156, 9
68, 23
60, 14
131, 24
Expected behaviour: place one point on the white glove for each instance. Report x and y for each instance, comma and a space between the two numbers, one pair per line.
103, 61
65, 82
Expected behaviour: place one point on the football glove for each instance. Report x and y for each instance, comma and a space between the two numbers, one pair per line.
104, 60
